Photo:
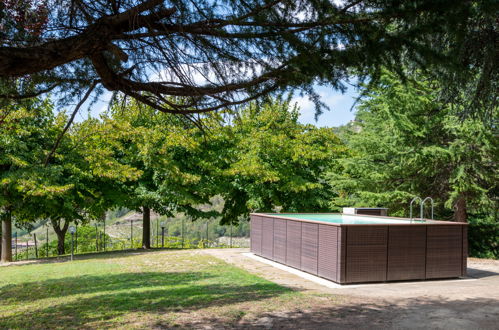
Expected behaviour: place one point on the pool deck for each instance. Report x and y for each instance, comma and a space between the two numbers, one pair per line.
468, 303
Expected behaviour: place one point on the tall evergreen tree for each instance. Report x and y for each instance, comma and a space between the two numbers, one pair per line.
405, 142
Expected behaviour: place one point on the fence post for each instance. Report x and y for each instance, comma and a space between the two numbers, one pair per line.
206, 233
36, 247
104, 237
131, 233
15, 236
230, 236
96, 238
157, 232
27, 249
76, 238
182, 232
47, 239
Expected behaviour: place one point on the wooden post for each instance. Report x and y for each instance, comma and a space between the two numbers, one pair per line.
36, 246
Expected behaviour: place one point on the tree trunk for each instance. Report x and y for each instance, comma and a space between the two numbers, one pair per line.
146, 227
460, 213
7, 238
61, 234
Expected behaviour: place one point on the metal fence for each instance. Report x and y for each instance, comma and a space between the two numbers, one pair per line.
103, 236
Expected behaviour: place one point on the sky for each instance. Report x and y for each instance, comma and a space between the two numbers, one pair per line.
339, 104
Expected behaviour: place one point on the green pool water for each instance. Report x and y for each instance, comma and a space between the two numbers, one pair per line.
343, 218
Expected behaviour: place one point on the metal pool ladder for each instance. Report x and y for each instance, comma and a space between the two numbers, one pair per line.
421, 207
432, 204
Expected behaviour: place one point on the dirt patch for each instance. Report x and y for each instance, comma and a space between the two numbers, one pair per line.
471, 303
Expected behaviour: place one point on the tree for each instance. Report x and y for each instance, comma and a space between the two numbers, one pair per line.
86, 165
26, 128
76, 182
169, 151
269, 161
405, 142
154, 50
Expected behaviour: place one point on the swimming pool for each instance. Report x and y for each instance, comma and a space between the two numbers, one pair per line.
357, 248
346, 218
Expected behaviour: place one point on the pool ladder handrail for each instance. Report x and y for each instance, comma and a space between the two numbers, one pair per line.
421, 207
432, 205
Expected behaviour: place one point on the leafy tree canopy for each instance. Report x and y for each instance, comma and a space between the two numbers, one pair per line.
79, 180
273, 162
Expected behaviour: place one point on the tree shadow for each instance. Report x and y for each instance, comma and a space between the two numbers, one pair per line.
101, 298
479, 273
476, 313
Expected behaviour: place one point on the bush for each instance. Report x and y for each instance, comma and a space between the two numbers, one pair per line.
483, 237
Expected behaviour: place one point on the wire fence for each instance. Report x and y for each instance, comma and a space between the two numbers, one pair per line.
124, 235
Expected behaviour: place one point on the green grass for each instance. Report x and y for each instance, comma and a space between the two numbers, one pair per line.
133, 290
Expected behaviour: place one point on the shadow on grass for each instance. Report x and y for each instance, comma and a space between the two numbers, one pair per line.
110, 296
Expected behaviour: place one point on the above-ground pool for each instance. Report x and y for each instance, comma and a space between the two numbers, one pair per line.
356, 248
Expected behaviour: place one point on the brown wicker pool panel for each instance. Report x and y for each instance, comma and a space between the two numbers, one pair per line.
444, 256
465, 251
310, 244
268, 238
280, 240
366, 253
406, 253
328, 252
363, 253
256, 234
293, 244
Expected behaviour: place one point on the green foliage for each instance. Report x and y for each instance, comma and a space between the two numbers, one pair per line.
166, 150
80, 181
483, 236
262, 160
196, 230
272, 162
25, 132
86, 240
405, 143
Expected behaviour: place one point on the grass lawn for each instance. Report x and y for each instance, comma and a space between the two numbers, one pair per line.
146, 289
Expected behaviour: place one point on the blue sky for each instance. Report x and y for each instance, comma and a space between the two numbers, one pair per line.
338, 103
